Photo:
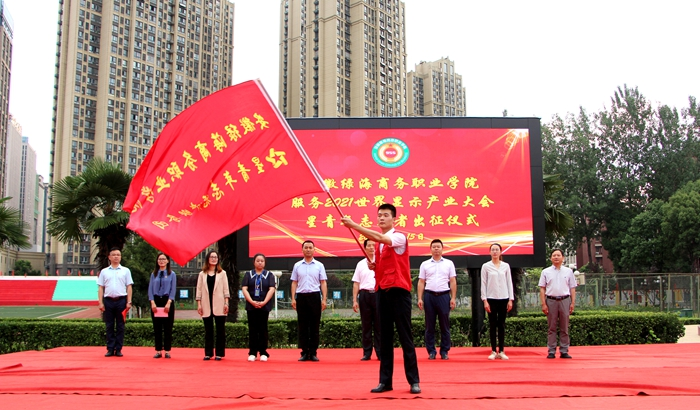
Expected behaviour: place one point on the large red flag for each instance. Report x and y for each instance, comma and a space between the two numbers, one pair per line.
214, 168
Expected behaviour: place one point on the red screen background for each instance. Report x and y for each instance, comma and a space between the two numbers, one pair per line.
481, 193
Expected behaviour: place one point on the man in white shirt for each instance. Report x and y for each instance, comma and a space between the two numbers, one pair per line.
364, 300
437, 281
114, 297
558, 297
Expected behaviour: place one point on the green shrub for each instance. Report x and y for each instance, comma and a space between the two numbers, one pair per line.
589, 328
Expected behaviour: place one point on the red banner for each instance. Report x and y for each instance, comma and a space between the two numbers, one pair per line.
214, 168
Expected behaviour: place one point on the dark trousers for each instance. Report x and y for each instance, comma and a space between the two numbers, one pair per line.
437, 307
369, 316
395, 308
113, 318
257, 332
209, 335
309, 321
497, 322
163, 326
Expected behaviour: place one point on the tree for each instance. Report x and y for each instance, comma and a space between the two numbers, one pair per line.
569, 151
644, 247
12, 227
681, 226
556, 221
647, 154
23, 267
92, 203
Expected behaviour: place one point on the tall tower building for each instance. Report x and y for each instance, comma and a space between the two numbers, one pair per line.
436, 90
11, 159
342, 58
5, 65
124, 68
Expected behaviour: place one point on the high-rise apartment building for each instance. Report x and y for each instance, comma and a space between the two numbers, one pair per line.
341, 58
436, 90
6, 29
124, 68
11, 159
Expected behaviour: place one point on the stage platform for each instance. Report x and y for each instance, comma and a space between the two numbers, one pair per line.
636, 376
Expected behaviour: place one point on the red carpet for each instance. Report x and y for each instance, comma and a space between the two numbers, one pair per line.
639, 376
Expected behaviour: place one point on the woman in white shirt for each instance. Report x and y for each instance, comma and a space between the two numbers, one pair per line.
497, 294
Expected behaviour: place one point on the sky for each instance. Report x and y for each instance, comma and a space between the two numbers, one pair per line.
532, 58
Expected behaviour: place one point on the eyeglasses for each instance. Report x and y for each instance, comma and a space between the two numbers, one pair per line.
213, 257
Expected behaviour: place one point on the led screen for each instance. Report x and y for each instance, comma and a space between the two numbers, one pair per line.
469, 187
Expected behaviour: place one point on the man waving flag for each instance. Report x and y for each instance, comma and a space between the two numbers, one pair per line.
214, 168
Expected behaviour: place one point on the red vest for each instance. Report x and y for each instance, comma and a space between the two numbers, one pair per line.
391, 269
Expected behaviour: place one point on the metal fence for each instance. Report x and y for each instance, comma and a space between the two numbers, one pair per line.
667, 292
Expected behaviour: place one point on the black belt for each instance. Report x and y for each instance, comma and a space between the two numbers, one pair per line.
366, 291
115, 298
558, 297
438, 293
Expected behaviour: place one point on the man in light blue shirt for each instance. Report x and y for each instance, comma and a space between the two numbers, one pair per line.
308, 289
114, 297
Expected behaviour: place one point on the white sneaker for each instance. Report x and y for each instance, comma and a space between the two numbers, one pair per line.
251, 358
493, 355
502, 356
263, 358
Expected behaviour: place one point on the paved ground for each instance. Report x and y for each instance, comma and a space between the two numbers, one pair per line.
692, 334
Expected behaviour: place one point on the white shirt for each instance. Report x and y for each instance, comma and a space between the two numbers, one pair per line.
364, 276
496, 282
398, 241
437, 274
557, 282
115, 281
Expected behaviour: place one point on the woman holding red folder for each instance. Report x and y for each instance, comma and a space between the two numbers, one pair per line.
161, 293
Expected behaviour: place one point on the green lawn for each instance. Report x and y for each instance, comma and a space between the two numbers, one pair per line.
37, 311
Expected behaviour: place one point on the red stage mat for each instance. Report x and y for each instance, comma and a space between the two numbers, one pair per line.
639, 376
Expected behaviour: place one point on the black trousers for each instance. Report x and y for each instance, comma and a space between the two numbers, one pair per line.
497, 322
437, 308
395, 309
369, 316
257, 332
309, 321
209, 335
163, 326
114, 322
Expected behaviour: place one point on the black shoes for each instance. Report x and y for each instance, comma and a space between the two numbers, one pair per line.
313, 358
118, 353
206, 358
565, 356
217, 358
303, 358
550, 356
381, 388
444, 356
109, 353
157, 355
167, 355
431, 356
415, 388
365, 358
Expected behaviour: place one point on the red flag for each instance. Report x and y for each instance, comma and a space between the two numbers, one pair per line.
214, 168
56, 272
68, 272
92, 272
46, 272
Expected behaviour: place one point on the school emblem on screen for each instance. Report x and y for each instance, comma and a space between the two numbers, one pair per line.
390, 152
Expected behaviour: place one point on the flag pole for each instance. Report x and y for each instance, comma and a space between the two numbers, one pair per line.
364, 252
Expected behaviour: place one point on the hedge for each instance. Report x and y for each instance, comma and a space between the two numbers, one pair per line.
591, 328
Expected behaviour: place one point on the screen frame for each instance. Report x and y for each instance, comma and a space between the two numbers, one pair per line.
244, 262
